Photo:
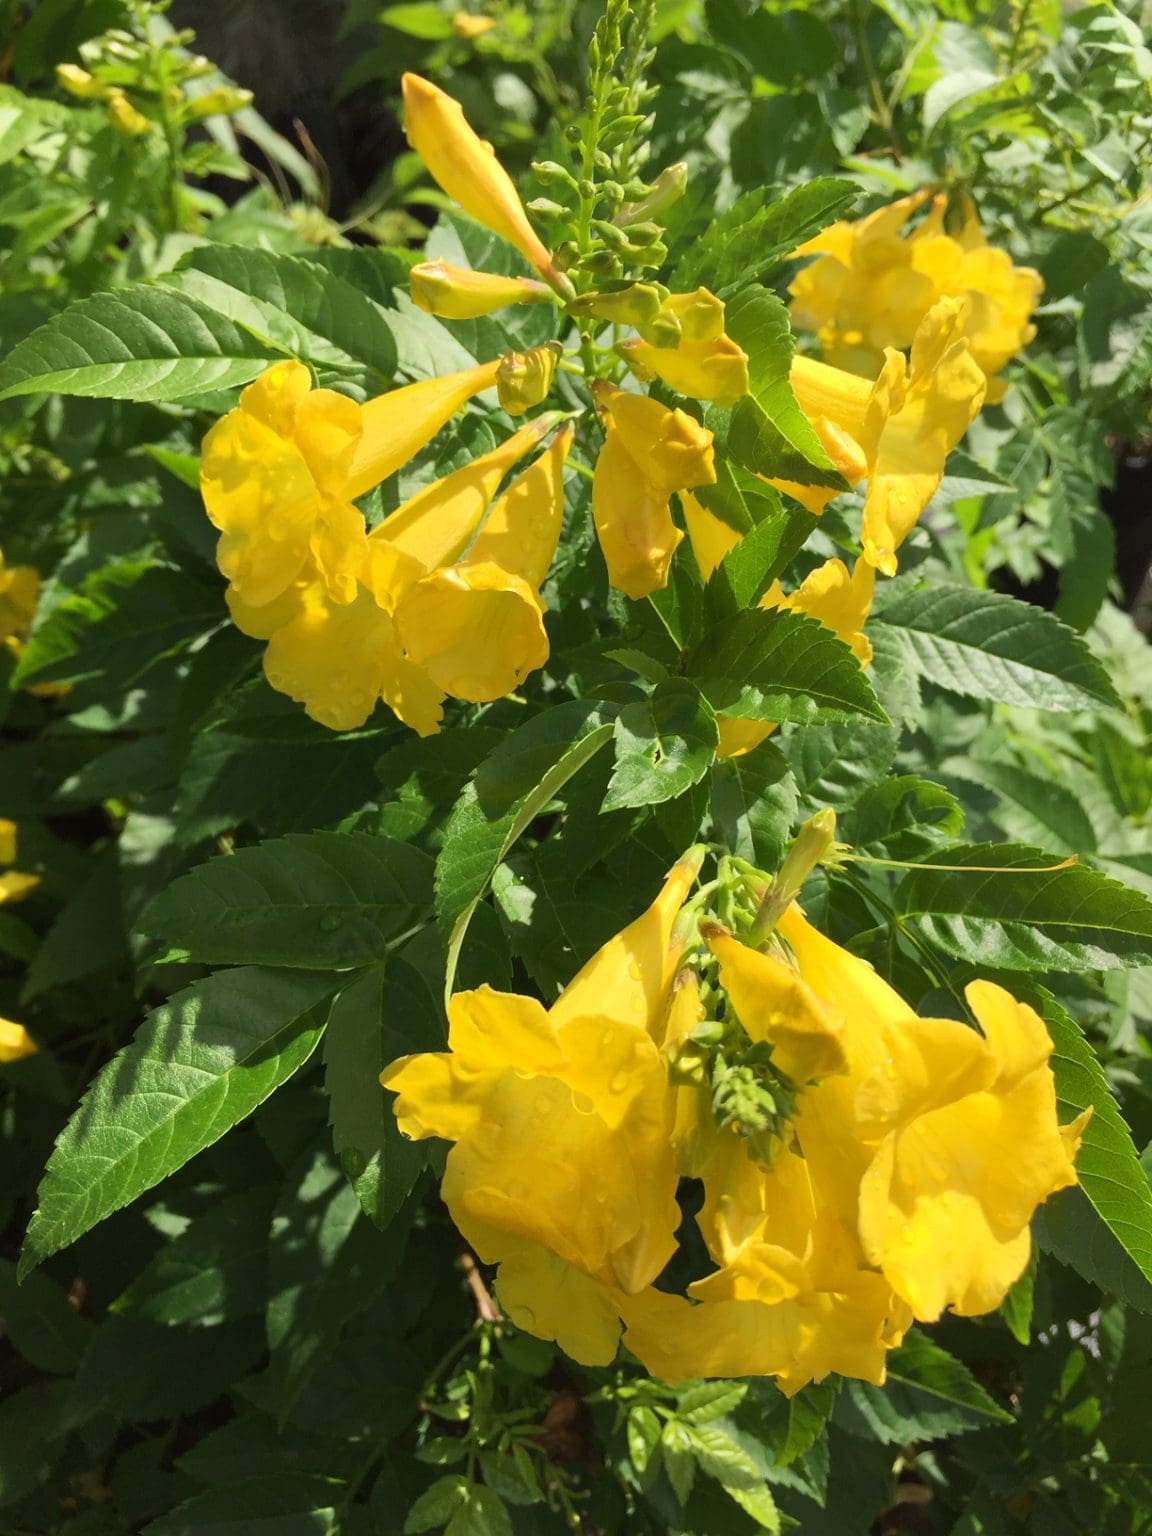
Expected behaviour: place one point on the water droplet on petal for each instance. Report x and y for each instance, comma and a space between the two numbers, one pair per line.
523, 1317
618, 1083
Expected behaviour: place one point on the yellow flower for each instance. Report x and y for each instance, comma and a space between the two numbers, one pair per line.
703, 364
79, 82
471, 27
14, 885
126, 119
873, 284
649, 452
280, 472
422, 623
19, 592
938, 1143
465, 167
15, 1042
900, 429
455, 293
562, 1167
791, 1297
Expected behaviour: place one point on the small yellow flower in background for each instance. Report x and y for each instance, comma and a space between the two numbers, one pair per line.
469, 27
457, 293
873, 283
465, 167
422, 622
19, 593
649, 452
78, 82
15, 1042
14, 885
562, 1168
279, 473
126, 119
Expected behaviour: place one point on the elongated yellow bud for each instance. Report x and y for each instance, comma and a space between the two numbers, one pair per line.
633, 522
225, 99
15, 1041
470, 27
636, 304
702, 370
525, 378
466, 168
125, 118
455, 293
78, 82
399, 424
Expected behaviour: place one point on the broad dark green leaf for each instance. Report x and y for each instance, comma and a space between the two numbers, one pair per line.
1031, 809
994, 911
136, 343
663, 746
382, 1015
985, 645
196, 1067
41, 1322
754, 804
286, 1505
772, 664
317, 899
33, 1423
141, 1371
900, 817
928, 1394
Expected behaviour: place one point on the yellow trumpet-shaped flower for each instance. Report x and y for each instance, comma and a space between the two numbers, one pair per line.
465, 167
455, 293
280, 472
704, 364
562, 1166
873, 283
902, 427
478, 630
649, 452
792, 1297
936, 1144
15, 1042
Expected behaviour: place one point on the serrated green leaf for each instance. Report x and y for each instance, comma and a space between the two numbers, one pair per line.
286, 1505
195, 1068
508, 791
899, 817
749, 239
382, 1015
703, 1401
722, 1457
436, 1505
663, 746
771, 664
678, 1455
928, 1394
768, 433
759, 1503
643, 1431
993, 911
754, 804
986, 645
749, 569
316, 899
1031, 809
1112, 1180
135, 344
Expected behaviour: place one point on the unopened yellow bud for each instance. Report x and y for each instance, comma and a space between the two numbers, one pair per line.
702, 370
525, 378
636, 304
469, 27
15, 1041
125, 118
668, 188
455, 293
466, 168
222, 101
78, 82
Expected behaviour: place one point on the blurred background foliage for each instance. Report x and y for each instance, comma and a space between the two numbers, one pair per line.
245, 1350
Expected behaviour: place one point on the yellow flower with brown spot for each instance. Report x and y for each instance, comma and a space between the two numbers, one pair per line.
562, 1168
649, 452
279, 475
465, 167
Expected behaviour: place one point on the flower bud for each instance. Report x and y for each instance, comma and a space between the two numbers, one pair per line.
667, 189
466, 168
637, 304
455, 293
470, 27
525, 378
78, 82
701, 314
221, 102
125, 118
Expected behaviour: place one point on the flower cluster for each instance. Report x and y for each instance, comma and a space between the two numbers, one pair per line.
873, 284
862, 1167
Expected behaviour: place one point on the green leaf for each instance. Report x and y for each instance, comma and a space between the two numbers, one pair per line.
41, 1322
772, 664
1112, 1181
722, 1457
768, 433
286, 1505
994, 912
985, 645
33, 1423
835, 764
1016, 1308
483, 1515
382, 1015
901, 817
643, 1436
928, 1395
704, 1401
678, 1455
754, 804
320, 899
297, 307
749, 569
436, 1505
1031, 809
759, 1503
663, 746
215, 1270
123, 620
135, 344
426, 21
752, 237
508, 791
196, 1067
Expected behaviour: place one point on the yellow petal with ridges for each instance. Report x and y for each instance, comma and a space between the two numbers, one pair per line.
633, 522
